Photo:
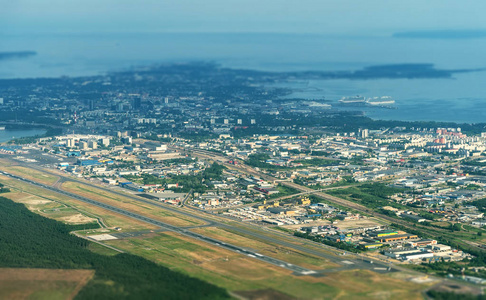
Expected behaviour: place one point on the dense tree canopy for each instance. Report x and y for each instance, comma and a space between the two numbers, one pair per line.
28, 240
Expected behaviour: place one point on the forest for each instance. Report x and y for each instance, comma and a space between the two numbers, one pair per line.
28, 240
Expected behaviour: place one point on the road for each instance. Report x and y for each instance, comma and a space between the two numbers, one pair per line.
426, 231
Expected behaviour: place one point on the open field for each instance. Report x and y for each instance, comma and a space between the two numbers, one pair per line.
273, 233
141, 208
50, 209
237, 272
368, 222
32, 174
365, 284
99, 249
109, 218
279, 252
42, 283
218, 266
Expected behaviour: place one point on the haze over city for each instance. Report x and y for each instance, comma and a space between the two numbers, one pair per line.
242, 149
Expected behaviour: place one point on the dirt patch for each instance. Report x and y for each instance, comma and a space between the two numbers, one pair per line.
267, 294
27, 199
78, 219
35, 201
357, 223
43, 274
31, 283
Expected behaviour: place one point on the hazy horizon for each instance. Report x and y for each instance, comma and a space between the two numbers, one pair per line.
348, 17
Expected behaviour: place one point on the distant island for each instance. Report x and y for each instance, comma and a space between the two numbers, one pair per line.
442, 34
16, 54
393, 71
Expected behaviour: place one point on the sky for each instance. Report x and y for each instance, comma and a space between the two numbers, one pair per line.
281, 16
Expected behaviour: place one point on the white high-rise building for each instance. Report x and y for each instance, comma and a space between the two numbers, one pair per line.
70, 143
93, 144
364, 133
105, 142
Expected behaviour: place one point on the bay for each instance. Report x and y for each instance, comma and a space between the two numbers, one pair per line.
459, 99
7, 135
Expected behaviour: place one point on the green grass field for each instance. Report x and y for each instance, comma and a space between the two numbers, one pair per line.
130, 204
236, 272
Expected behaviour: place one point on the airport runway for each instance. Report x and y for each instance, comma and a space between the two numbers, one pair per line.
296, 269
293, 243
348, 262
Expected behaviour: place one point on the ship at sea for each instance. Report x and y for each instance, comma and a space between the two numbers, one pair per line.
353, 100
380, 101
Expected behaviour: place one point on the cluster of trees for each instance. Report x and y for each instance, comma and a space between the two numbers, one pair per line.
3, 189
186, 182
316, 162
183, 160
283, 191
257, 160
444, 268
198, 183
28, 240
440, 295
480, 204
214, 172
372, 195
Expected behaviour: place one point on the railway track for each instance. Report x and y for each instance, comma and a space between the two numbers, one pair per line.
426, 231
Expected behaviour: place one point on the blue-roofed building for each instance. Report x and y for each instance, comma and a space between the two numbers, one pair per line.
88, 162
